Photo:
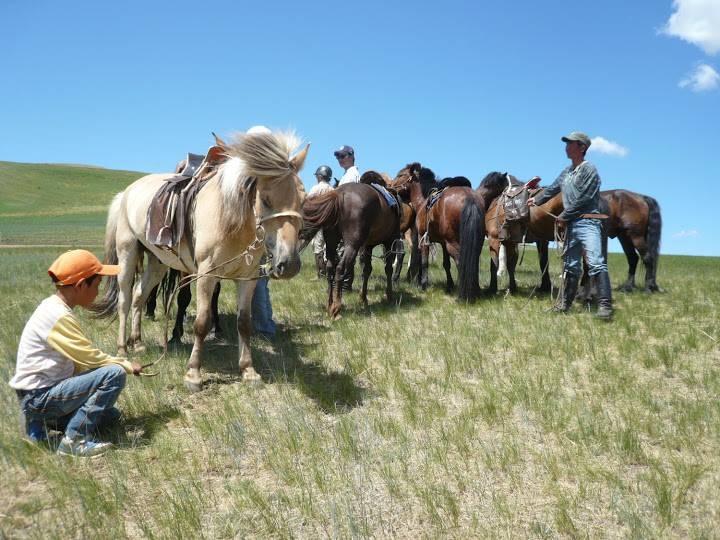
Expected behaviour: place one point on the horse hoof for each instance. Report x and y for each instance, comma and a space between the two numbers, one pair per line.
193, 386
251, 376
139, 348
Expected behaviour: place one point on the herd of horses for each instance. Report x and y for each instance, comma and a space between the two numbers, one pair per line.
252, 208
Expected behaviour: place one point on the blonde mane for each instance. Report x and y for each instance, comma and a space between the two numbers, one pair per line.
252, 158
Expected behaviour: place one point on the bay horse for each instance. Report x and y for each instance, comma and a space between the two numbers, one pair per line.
455, 220
634, 219
248, 207
500, 235
361, 217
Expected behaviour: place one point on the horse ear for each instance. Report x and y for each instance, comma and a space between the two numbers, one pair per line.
297, 162
218, 140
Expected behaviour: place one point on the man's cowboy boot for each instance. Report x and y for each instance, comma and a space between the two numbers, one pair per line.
570, 286
605, 309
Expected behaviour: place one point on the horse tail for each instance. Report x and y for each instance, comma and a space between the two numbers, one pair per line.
654, 228
167, 286
107, 306
472, 234
320, 211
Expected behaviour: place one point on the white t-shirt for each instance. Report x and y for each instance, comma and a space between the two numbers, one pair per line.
320, 187
351, 175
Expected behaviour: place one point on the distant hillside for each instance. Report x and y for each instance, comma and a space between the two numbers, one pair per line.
56, 204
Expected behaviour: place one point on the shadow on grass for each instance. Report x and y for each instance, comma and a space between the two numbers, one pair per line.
280, 359
141, 430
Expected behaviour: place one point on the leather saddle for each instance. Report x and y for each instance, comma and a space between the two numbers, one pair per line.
167, 221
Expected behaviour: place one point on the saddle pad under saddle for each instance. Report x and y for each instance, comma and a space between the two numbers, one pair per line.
392, 202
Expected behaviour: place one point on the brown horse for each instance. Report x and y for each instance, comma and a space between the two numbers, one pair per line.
499, 233
454, 218
633, 219
361, 217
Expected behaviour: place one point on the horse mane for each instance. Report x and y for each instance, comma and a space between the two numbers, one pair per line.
251, 158
494, 184
428, 181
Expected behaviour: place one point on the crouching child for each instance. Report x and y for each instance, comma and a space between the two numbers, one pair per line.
61, 379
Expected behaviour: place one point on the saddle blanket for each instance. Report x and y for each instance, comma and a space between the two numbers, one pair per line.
392, 203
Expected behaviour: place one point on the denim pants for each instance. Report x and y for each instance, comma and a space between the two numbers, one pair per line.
584, 234
261, 310
82, 401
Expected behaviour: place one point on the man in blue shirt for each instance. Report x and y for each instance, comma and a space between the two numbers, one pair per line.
579, 184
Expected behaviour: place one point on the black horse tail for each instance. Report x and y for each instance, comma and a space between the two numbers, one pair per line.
654, 228
472, 235
319, 212
167, 287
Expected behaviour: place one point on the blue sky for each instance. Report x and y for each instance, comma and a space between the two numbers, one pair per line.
464, 87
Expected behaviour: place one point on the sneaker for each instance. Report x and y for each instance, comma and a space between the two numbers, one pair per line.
82, 447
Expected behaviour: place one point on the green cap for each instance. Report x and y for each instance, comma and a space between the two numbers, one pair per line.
578, 136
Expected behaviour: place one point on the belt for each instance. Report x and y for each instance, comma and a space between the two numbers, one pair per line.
594, 216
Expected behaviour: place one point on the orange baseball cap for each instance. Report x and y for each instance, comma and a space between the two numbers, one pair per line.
78, 264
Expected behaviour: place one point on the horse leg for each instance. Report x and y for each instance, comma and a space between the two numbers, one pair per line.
366, 264
447, 265
331, 256
424, 262
217, 331
128, 253
183, 301
511, 251
203, 320
632, 260
545, 283
398, 259
413, 271
152, 276
348, 259
151, 304
245, 291
389, 278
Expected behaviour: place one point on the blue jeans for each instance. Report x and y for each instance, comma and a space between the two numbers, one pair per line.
584, 234
82, 401
261, 310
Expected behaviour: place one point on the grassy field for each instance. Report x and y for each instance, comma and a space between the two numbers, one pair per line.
423, 418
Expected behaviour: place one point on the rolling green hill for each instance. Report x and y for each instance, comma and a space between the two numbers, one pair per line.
56, 204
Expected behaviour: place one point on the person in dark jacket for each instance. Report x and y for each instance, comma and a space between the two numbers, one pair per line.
579, 184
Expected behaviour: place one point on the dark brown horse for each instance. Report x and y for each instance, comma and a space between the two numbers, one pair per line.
361, 217
494, 190
633, 219
636, 222
452, 217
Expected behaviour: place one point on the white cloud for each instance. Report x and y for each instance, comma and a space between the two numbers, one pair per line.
692, 233
697, 22
602, 145
702, 79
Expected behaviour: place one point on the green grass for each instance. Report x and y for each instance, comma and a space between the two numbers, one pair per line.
56, 204
422, 418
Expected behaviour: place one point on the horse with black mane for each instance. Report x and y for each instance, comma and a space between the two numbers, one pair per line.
361, 216
634, 219
501, 192
451, 214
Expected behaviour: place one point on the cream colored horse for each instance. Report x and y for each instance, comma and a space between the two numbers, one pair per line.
248, 208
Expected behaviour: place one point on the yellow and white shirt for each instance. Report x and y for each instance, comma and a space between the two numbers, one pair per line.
53, 347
